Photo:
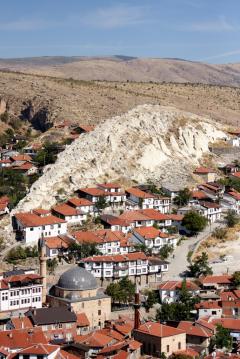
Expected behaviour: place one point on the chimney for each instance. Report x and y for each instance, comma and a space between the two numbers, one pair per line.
136, 309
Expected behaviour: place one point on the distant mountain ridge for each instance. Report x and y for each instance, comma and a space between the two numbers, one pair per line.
127, 68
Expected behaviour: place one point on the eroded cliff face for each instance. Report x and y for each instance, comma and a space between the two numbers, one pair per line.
149, 142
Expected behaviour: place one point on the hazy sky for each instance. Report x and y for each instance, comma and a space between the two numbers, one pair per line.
204, 30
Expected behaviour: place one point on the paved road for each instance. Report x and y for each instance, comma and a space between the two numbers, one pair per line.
179, 263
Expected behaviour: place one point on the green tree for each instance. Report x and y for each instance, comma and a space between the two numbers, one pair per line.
194, 222
183, 197
48, 154
83, 250
236, 278
200, 266
231, 218
52, 265
165, 251
101, 203
122, 291
151, 300
222, 338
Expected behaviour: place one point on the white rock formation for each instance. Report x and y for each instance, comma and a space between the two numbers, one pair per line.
148, 142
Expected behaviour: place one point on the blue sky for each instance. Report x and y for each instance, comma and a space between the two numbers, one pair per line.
201, 30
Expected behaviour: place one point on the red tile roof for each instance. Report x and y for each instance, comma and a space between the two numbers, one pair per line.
21, 323
95, 192
117, 257
150, 232
66, 210
21, 158
176, 217
79, 202
158, 330
176, 285
40, 349
22, 338
228, 296
134, 345
216, 279
188, 352
18, 278
94, 340
98, 236
138, 193
234, 194
232, 324
82, 320
59, 242
41, 211
29, 219
194, 329
109, 185
208, 305
199, 195
115, 221
203, 170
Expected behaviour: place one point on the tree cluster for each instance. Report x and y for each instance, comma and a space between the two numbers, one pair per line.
182, 309
79, 251
121, 292
200, 266
21, 253
194, 222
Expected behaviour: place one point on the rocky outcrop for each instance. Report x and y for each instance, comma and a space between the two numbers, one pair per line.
149, 142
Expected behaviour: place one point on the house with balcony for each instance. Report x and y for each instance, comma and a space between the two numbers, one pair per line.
18, 292
113, 194
134, 265
146, 218
138, 199
210, 210
153, 238
107, 242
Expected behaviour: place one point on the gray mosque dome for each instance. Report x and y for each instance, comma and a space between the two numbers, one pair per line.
77, 278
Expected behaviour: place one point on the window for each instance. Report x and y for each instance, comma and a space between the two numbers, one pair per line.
31, 229
99, 312
179, 345
168, 348
214, 312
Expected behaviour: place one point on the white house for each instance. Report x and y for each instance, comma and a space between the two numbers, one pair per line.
69, 214
108, 242
56, 246
30, 226
140, 198
209, 309
212, 211
146, 217
82, 204
20, 292
231, 200
113, 267
169, 290
110, 192
153, 238
115, 223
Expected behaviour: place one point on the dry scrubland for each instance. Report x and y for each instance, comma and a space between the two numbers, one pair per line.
92, 102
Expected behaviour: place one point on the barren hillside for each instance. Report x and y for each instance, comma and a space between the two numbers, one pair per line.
48, 100
149, 142
120, 68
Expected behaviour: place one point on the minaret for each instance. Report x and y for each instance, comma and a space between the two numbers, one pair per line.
136, 309
43, 267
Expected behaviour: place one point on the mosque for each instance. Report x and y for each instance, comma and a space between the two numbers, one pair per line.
77, 290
